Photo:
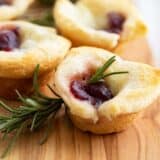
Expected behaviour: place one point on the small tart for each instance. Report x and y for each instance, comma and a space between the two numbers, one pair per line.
132, 92
10, 9
23, 45
100, 23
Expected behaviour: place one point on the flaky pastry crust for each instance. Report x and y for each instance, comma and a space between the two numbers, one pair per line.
39, 45
84, 22
133, 92
104, 125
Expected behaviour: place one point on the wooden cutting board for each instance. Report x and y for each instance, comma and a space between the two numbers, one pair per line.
141, 141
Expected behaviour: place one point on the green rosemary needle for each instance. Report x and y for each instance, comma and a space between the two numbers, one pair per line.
99, 74
33, 112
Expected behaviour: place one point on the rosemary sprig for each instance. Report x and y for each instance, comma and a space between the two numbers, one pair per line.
99, 74
32, 113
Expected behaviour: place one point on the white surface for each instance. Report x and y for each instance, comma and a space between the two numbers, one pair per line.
150, 10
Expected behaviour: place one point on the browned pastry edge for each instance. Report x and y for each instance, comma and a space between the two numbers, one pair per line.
104, 125
84, 41
24, 86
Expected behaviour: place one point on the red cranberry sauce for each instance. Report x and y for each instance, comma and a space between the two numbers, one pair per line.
115, 22
5, 2
95, 93
9, 38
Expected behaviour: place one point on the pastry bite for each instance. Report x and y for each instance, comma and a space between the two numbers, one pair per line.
112, 103
99, 23
23, 45
11, 9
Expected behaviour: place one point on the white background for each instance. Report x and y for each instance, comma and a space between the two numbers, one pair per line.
150, 10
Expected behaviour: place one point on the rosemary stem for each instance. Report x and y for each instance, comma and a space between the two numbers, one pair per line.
99, 74
33, 112
6, 107
114, 73
12, 142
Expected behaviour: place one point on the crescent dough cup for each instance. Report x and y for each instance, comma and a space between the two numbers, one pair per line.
133, 92
84, 22
39, 45
15, 9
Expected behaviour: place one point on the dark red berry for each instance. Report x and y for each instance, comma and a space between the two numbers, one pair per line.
98, 90
95, 93
115, 22
9, 39
5, 2
78, 90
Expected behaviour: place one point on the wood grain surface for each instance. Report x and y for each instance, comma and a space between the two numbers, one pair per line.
141, 141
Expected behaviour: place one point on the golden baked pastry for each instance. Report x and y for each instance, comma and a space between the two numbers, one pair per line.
10, 9
100, 23
110, 105
23, 45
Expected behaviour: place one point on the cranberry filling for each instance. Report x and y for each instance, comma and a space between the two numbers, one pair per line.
5, 2
9, 39
115, 22
95, 93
